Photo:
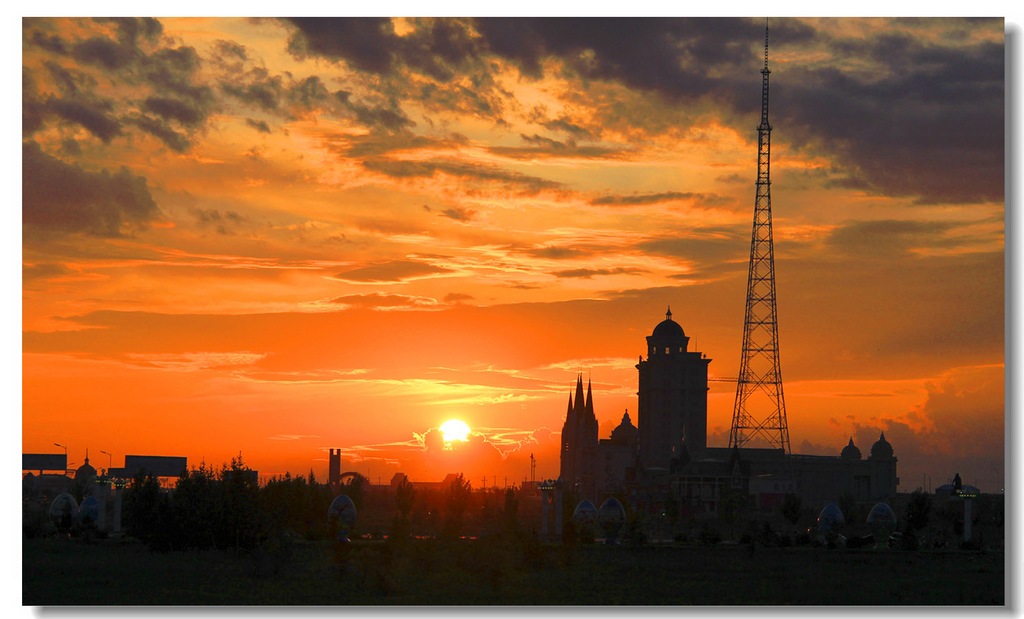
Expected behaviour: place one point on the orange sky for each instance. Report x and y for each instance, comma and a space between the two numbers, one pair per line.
276, 237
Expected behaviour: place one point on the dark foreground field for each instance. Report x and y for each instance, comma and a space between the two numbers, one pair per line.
430, 572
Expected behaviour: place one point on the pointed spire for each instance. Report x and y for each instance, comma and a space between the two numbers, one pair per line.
579, 392
668, 313
590, 400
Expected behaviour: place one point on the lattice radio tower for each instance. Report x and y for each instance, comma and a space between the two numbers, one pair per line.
759, 414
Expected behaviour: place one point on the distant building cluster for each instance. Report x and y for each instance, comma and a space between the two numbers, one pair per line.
665, 460
89, 494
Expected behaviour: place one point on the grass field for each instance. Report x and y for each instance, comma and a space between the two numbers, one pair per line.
59, 572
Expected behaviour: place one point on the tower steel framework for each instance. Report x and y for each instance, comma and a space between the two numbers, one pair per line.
759, 413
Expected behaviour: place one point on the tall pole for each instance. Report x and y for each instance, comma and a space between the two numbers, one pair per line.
759, 412
65, 447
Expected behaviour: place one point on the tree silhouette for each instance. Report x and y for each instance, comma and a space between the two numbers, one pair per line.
511, 510
405, 497
456, 501
147, 513
791, 508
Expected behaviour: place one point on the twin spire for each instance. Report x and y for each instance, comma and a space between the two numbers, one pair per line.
584, 407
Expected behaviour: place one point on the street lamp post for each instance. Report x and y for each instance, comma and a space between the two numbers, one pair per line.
110, 459
65, 456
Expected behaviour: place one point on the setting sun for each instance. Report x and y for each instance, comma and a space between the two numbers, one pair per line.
455, 430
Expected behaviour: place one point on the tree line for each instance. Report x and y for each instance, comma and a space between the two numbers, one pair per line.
226, 508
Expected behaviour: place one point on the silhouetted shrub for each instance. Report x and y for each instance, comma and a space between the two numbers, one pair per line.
708, 535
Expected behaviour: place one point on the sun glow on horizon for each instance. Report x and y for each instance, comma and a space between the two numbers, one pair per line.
455, 430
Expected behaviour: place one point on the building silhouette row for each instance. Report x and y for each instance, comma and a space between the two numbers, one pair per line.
665, 458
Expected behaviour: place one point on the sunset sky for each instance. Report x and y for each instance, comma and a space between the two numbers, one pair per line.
275, 237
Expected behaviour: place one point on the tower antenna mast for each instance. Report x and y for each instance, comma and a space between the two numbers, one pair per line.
759, 412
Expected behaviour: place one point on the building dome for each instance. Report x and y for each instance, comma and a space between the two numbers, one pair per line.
625, 432
881, 448
86, 471
667, 338
850, 452
668, 329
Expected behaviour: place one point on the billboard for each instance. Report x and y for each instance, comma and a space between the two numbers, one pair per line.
157, 466
44, 462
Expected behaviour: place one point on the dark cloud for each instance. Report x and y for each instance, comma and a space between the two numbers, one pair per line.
103, 52
383, 143
134, 30
960, 427
928, 123
230, 56
43, 270
679, 58
167, 99
391, 271
657, 198
75, 104
926, 120
93, 114
169, 102
379, 300
221, 222
889, 238
456, 79
50, 42
389, 116
259, 88
409, 169
365, 43
124, 50
567, 126
440, 48
61, 197
163, 131
546, 147
558, 253
32, 104
710, 248
258, 125
733, 178
457, 297
459, 213
174, 110
309, 93
589, 273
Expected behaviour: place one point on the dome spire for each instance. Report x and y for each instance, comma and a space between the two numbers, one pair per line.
668, 313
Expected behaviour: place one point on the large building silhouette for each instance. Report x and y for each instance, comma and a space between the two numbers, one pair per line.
673, 397
666, 460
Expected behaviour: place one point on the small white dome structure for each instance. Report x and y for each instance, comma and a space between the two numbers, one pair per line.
882, 522
342, 513
612, 517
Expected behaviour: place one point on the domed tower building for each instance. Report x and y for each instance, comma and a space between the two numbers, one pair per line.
673, 398
883, 467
